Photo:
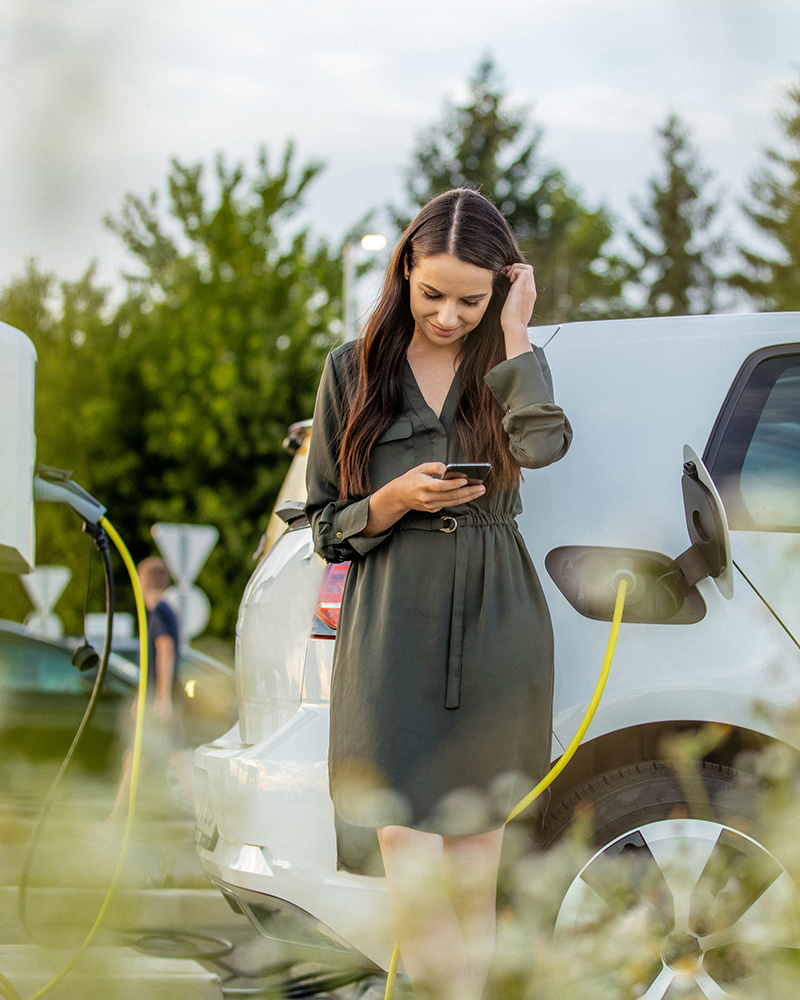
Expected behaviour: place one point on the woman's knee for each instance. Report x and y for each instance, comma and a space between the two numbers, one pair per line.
473, 859
402, 839
474, 845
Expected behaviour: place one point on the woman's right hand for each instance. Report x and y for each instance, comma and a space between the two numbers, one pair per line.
418, 489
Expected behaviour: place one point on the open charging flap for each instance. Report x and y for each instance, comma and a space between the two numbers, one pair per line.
661, 589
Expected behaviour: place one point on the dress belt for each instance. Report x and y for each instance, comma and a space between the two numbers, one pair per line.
449, 524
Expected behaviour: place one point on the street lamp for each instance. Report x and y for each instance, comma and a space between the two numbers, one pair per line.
372, 242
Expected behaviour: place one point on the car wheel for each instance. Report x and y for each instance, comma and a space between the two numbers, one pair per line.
679, 899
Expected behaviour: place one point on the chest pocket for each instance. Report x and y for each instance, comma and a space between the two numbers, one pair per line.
392, 454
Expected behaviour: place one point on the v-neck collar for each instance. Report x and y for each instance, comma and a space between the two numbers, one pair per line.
449, 406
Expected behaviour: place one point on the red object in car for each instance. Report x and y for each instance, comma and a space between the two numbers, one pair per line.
330, 601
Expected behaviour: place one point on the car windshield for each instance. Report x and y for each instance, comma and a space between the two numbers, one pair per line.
31, 664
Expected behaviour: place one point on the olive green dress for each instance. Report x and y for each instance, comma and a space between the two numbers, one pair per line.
441, 697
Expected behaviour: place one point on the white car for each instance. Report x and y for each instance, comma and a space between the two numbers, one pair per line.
710, 634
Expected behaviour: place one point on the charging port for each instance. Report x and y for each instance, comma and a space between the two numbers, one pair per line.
589, 575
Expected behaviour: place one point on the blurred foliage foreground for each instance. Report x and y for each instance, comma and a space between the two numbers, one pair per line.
173, 405
704, 905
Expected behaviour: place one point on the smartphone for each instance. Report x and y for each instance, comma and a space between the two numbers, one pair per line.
473, 472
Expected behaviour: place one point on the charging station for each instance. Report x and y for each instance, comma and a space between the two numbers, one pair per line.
17, 450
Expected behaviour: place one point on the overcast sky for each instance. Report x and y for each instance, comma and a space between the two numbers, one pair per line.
99, 94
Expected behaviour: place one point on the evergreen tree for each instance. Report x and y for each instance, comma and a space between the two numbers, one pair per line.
774, 280
675, 271
487, 146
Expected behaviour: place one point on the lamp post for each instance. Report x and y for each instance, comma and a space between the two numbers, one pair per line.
372, 242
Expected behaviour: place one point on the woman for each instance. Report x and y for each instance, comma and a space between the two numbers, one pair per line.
442, 681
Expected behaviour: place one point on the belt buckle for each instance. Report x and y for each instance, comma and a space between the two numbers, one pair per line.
453, 524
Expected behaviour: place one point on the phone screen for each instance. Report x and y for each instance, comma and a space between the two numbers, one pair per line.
473, 472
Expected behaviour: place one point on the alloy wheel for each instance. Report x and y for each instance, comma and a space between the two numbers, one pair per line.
678, 908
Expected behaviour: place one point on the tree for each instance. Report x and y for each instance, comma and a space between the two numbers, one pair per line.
774, 280
174, 406
489, 147
676, 271
219, 348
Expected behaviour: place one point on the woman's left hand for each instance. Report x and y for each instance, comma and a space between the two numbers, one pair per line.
518, 307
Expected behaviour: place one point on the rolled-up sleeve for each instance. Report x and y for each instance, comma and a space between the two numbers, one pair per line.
336, 523
538, 430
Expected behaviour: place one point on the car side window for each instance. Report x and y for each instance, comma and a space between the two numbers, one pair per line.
754, 452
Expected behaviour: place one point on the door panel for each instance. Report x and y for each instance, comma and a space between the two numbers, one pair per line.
771, 562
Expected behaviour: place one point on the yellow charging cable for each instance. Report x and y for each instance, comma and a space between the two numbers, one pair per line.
569, 753
6, 988
562, 761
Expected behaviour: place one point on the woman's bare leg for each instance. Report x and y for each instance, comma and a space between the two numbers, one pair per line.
428, 932
470, 865
442, 892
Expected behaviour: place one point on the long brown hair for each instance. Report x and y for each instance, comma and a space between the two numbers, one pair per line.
467, 226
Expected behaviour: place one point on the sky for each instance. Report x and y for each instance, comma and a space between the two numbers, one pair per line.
99, 95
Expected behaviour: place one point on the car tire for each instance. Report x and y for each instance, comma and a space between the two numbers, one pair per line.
649, 791
679, 897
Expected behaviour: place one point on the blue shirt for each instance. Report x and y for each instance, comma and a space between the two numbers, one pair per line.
162, 620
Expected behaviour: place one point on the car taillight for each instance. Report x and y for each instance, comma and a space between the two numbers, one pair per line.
330, 601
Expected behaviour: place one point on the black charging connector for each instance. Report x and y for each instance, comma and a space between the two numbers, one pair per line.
85, 657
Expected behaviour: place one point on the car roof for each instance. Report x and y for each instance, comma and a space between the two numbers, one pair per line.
773, 327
